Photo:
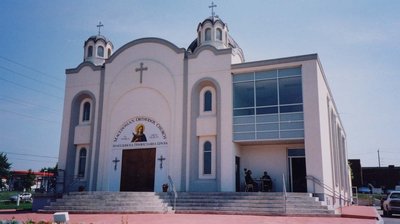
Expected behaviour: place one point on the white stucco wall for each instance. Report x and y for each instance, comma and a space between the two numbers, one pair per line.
159, 97
212, 66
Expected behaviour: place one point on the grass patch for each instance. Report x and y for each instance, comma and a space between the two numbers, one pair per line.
5, 202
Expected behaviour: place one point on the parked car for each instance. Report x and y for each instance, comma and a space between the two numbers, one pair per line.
365, 190
22, 197
392, 204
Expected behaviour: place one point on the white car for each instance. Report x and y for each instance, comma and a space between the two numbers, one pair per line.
22, 197
392, 204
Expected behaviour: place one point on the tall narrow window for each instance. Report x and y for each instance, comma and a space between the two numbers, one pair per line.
208, 34
219, 34
100, 51
109, 53
82, 162
208, 101
86, 112
90, 51
207, 158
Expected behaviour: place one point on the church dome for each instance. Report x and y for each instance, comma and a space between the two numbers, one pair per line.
213, 31
97, 49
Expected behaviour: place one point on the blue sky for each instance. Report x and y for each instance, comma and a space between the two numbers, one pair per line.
358, 43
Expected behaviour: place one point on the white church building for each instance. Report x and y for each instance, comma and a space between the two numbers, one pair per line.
201, 115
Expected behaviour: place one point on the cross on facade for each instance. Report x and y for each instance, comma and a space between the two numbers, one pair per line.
212, 6
115, 161
99, 26
141, 69
161, 159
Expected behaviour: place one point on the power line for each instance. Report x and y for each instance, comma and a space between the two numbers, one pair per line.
28, 116
24, 103
33, 160
26, 154
28, 77
30, 68
25, 87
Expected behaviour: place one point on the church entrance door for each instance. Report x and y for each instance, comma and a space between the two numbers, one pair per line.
138, 169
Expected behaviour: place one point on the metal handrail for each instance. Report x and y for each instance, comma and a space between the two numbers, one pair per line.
173, 190
284, 192
328, 188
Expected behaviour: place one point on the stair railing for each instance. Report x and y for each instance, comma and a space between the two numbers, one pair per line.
284, 192
173, 190
330, 190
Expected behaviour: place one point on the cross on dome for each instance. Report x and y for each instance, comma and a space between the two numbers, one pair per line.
212, 6
99, 26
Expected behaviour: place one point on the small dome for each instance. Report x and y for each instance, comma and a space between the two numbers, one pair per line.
96, 38
97, 48
213, 31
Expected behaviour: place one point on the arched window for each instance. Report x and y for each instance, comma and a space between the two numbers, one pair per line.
208, 34
208, 101
207, 157
82, 162
219, 34
90, 51
109, 53
100, 51
86, 112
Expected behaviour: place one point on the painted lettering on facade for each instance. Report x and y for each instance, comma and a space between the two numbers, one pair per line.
140, 132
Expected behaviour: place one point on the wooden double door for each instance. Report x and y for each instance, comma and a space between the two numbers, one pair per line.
138, 170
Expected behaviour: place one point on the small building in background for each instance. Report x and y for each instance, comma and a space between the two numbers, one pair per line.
43, 181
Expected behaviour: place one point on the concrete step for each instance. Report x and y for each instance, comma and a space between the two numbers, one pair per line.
250, 203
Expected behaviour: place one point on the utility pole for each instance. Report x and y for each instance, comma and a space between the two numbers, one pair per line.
379, 159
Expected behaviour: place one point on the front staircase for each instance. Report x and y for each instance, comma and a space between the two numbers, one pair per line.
109, 202
245, 203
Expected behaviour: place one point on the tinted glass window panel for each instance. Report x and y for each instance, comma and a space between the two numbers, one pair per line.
268, 135
244, 136
267, 118
296, 152
292, 134
243, 77
243, 112
290, 90
266, 74
289, 72
292, 117
289, 109
267, 110
243, 94
292, 125
266, 92
243, 120
243, 128
268, 127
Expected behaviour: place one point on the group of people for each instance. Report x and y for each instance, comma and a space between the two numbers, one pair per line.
266, 181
